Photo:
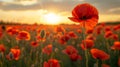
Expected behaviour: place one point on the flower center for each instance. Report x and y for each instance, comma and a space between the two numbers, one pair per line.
84, 18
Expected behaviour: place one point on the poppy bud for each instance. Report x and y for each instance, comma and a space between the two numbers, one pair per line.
42, 34
1, 55
11, 55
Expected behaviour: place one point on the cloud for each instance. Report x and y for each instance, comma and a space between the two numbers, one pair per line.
25, 2
114, 10
20, 2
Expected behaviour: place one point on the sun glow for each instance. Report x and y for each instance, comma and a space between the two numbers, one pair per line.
52, 18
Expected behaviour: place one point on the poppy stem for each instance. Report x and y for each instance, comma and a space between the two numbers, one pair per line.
97, 63
86, 54
41, 57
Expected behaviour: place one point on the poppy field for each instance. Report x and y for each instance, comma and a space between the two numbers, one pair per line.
87, 44
59, 46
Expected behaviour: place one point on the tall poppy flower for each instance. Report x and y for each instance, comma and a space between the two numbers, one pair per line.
86, 15
99, 54
51, 63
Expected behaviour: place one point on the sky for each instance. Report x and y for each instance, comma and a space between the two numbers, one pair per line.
34, 11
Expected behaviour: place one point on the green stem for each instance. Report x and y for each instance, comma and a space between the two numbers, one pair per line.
86, 54
41, 55
97, 63
108, 49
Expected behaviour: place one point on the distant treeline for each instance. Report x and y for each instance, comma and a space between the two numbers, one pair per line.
17, 23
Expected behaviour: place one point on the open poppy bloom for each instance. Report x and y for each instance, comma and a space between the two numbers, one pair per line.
119, 61
14, 54
1, 34
51, 63
59, 29
116, 45
63, 39
105, 65
23, 35
72, 34
72, 53
86, 15
86, 44
99, 54
34, 44
12, 31
47, 49
2, 48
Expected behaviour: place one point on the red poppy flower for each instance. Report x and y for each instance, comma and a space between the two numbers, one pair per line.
59, 29
34, 43
14, 54
51, 63
2, 48
105, 65
90, 37
115, 37
79, 31
86, 15
72, 34
64, 39
103, 24
116, 27
75, 57
70, 50
108, 34
99, 54
23, 35
12, 31
89, 31
89, 44
116, 45
107, 28
47, 49
99, 27
39, 38
72, 53
1, 34
119, 61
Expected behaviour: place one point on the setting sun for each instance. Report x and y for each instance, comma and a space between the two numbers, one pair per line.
52, 18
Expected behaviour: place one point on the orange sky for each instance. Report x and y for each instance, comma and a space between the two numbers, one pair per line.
30, 11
